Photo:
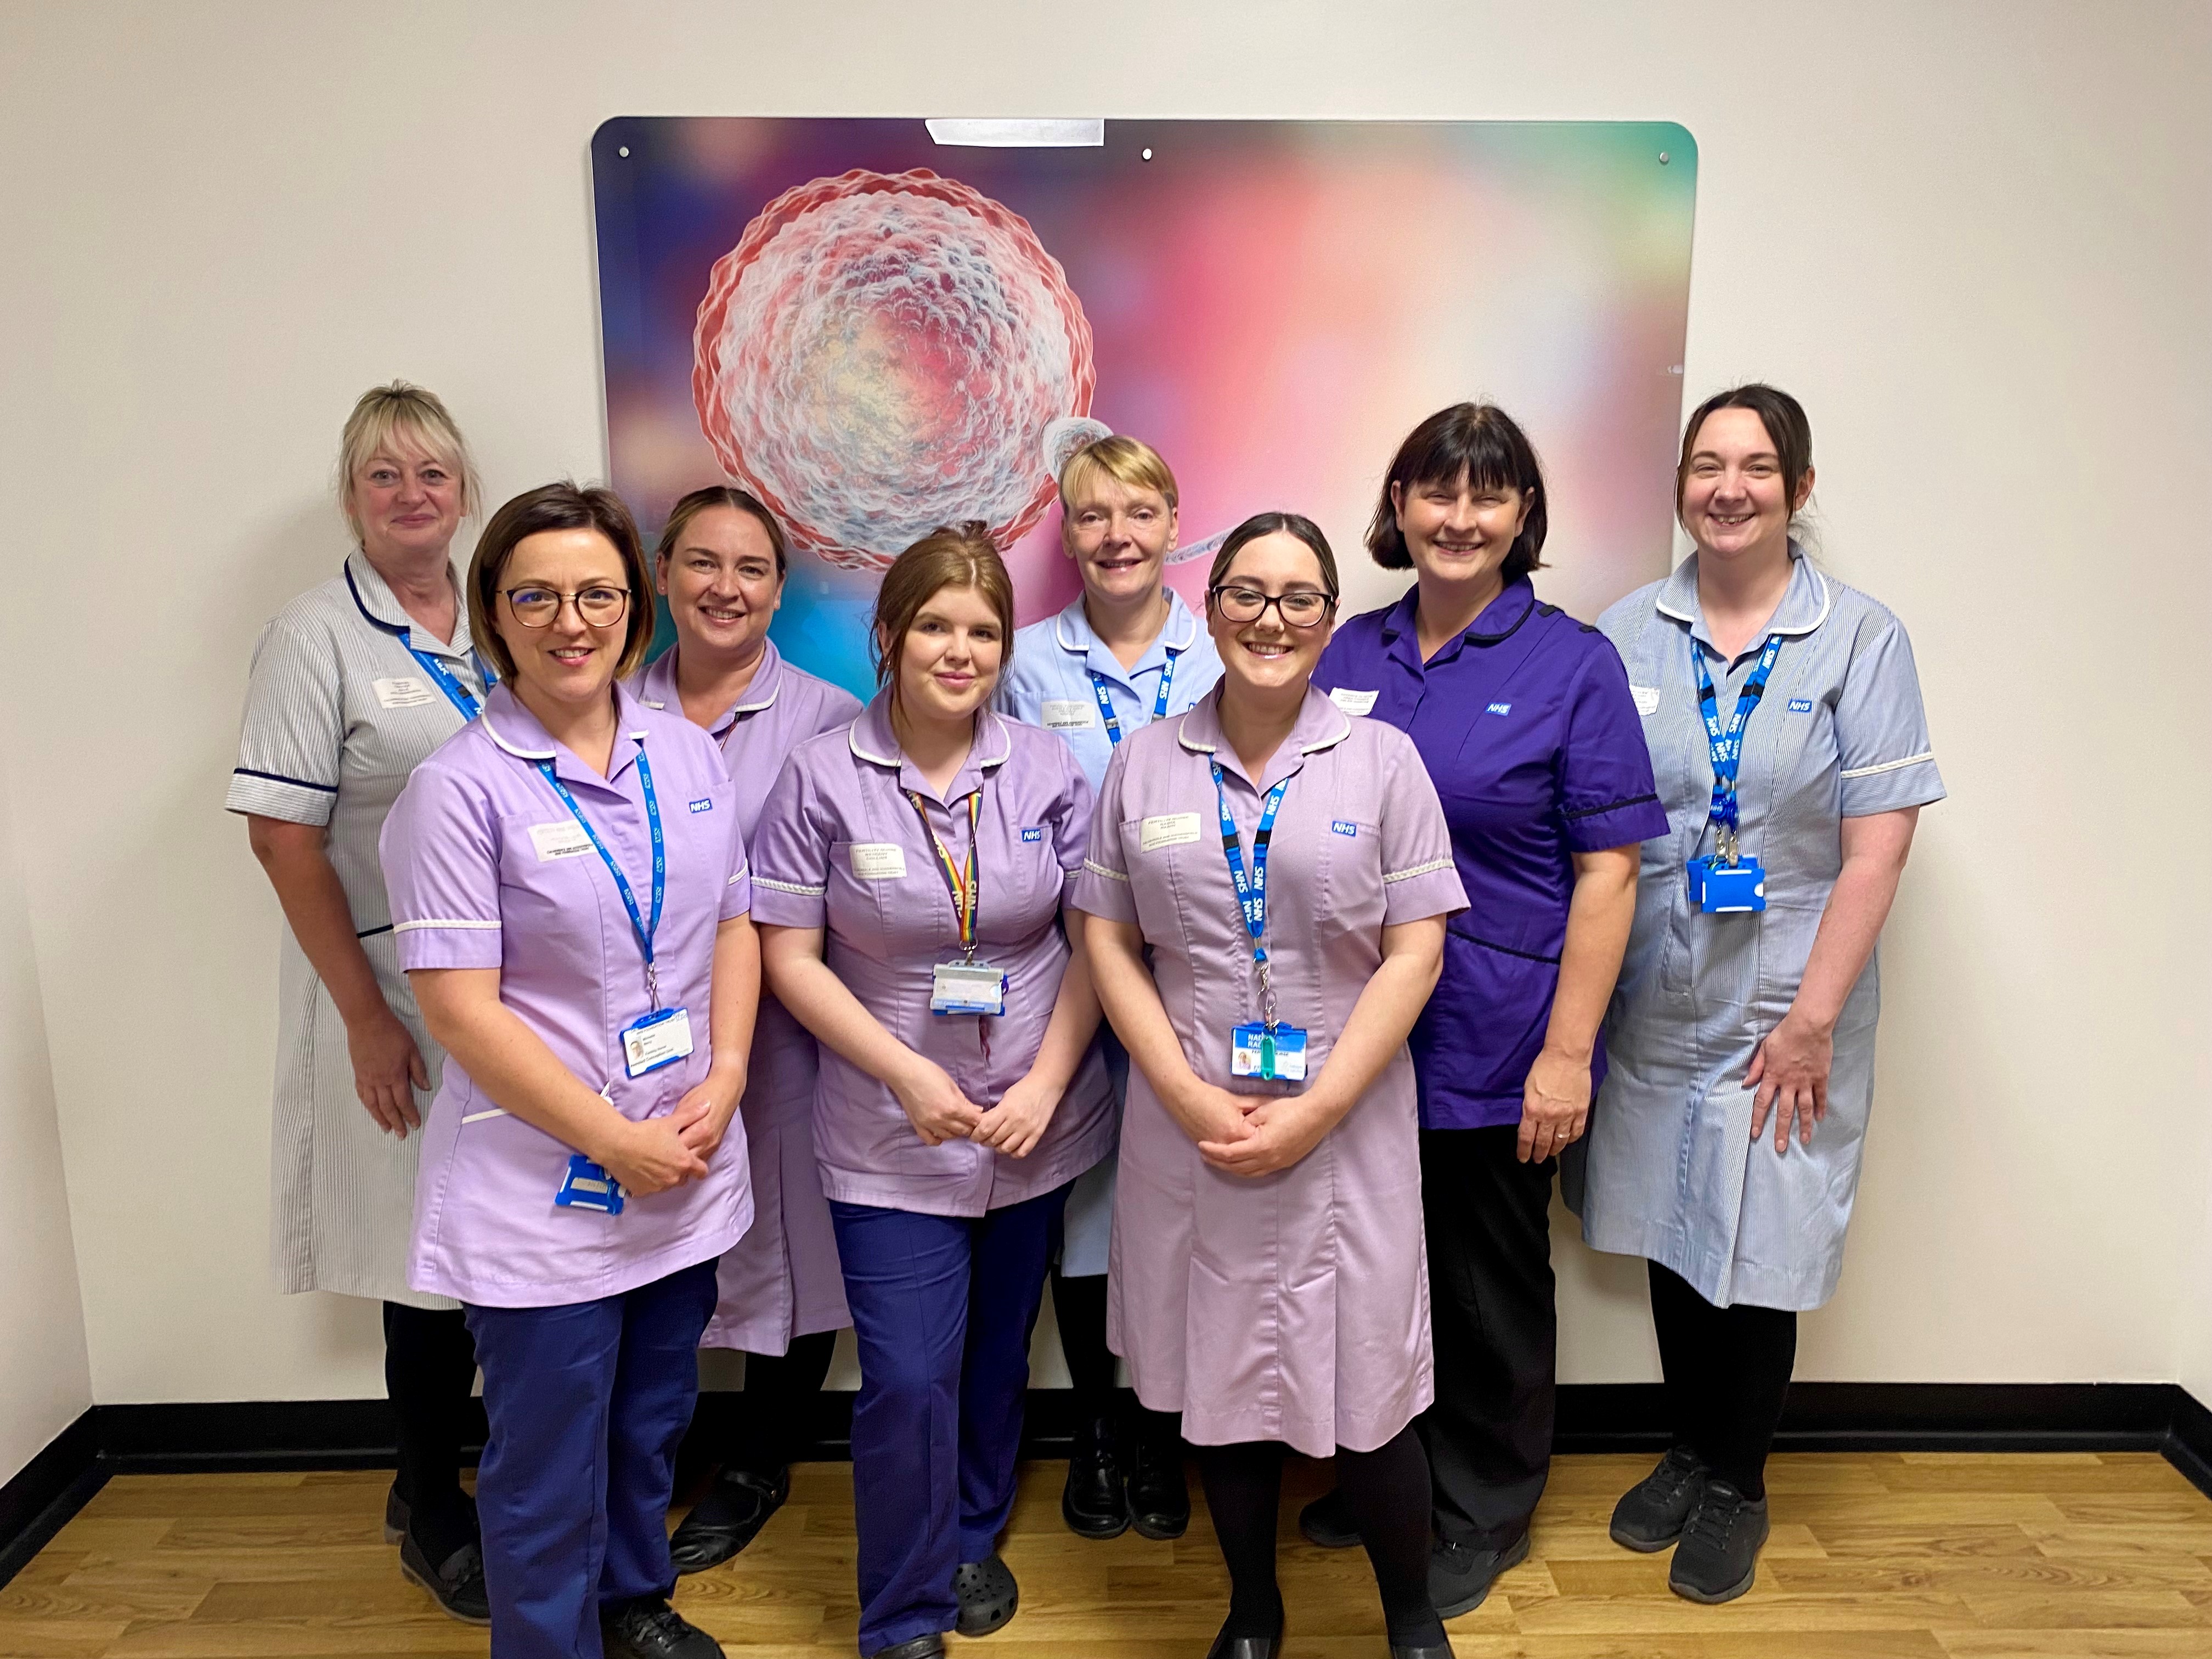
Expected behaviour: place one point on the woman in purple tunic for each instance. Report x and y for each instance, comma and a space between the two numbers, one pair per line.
1268, 1277
721, 565
1523, 718
912, 869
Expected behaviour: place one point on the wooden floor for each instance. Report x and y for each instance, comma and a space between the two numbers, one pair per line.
1914, 1557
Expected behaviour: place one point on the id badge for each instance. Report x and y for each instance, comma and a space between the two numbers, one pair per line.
1697, 867
1732, 890
656, 1041
967, 988
589, 1187
1276, 1056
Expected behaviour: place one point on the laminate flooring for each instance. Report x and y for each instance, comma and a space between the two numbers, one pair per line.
1920, 1556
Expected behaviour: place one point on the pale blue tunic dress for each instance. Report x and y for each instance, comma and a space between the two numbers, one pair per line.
1669, 1171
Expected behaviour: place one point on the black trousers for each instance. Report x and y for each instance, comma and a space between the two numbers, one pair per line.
430, 1369
1727, 1374
1495, 1325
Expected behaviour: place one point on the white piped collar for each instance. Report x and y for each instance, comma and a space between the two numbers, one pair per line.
1804, 605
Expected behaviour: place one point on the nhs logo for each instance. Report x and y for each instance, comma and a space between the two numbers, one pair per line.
1499, 709
1035, 833
707, 805
1801, 705
1344, 826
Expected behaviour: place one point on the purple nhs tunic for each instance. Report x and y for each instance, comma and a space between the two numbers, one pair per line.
781, 1278
1295, 1306
841, 848
486, 868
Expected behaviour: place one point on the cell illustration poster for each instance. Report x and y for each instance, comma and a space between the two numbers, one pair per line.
878, 333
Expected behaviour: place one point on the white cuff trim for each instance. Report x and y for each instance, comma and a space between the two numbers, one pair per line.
1889, 766
1098, 869
788, 887
1428, 869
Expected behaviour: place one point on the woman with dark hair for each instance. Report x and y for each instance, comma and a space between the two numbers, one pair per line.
721, 565
1523, 719
1265, 897
569, 889
911, 869
1783, 714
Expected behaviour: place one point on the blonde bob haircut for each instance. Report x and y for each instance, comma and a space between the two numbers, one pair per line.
951, 556
395, 420
1130, 462
559, 507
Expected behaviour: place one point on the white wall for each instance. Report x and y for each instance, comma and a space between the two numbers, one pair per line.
1971, 237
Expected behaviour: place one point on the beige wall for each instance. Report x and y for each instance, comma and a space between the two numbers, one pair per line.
1972, 238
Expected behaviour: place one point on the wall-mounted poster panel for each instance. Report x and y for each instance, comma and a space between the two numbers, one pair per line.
878, 333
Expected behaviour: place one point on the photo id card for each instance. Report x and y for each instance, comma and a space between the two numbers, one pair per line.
967, 988
589, 1187
1276, 1056
656, 1041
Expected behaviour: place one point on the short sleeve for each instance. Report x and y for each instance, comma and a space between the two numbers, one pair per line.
439, 848
1102, 888
790, 854
1070, 821
1881, 730
1606, 795
292, 740
1419, 876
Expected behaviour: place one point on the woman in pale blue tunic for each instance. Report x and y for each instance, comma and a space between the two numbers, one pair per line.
1724, 1146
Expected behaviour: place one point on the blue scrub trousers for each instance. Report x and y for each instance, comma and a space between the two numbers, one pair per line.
586, 1403
943, 1307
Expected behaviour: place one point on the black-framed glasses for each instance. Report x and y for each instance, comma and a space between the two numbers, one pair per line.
600, 605
1302, 607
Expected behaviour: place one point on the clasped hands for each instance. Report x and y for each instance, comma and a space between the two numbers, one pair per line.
939, 1112
652, 1155
1250, 1135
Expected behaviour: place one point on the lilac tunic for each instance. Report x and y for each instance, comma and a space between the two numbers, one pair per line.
1295, 1306
780, 1279
841, 848
485, 869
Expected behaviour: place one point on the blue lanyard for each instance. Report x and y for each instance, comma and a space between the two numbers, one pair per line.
1252, 890
1727, 742
1106, 702
456, 693
644, 930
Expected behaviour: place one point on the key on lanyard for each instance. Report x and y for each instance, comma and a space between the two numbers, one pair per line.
1106, 702
967, 895
643, 929
1252, 890
1727, 743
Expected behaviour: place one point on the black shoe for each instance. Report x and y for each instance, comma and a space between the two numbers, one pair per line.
988, 1596
729, 1517
395, 1515
1718, 1556
1423, 1649
1226, 1646
1092, 1501
458, 1586
651, 1629
930, 1646
1459, 1577
1650, 1513
1159, 1498
1327, 1521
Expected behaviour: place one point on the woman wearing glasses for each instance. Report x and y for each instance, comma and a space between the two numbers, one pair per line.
353, 684
569, 887
1266, 893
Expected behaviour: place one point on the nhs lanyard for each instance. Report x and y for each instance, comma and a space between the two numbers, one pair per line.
645, 930
443, 677
1727, 742
1106, 702
1252, 890
966, 891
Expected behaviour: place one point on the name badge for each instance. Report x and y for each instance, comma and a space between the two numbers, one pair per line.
656, 1041
878, 861
1067, 714
404, 691
1718, 889
1172, 830
967, 988
1647, 698
559, 840
1353, 702
585, 1186
1276, 1056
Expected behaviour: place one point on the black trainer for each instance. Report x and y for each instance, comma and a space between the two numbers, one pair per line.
1159, 1498
930, 1646
650, 1629
1327, 1521
1650, 1513
1093, 1503
395, 1515
1460, 1577
1226, 1646
1718, 1556
457, 1584
988, 1594
729, 1517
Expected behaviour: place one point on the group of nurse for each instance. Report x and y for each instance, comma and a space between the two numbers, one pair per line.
1234, 971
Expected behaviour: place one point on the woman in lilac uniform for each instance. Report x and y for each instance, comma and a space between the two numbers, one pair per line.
911, 871
721, 565
1523, 718
569, 888
1289, 872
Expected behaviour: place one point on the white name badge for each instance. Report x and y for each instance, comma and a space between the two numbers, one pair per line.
1069, 715
656, 1041
1353, 702
967, 988
559, 840
1647, 698
1173, 829
404, 692
878, 861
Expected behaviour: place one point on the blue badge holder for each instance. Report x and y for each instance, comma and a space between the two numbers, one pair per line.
587, 1187
1272, 1054
1728, 889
